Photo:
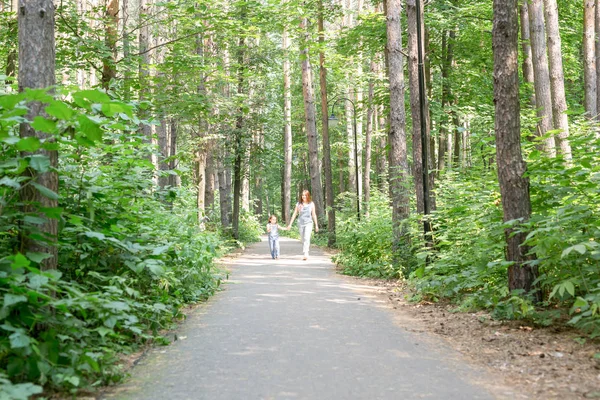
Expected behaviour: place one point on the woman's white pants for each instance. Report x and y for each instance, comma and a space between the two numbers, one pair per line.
305, 232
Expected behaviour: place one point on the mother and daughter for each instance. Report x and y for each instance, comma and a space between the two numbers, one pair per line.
306, 213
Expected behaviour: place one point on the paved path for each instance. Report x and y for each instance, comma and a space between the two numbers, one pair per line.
293, 329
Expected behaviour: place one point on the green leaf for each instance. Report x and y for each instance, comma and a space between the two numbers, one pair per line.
20, 261
97, 235
19, 340
37, 257
570, 287
6, 181
20, 391
45, 191
30, 144
59, 110
52, 212
103, 331
37, 281
580, 248
160, 250
44, 125
110, 109
10, 299
117, 306
39, 162
90, 129
96, 96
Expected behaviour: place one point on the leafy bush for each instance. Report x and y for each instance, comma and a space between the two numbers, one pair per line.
129, 255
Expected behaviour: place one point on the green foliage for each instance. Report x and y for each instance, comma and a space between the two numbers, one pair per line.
129, 256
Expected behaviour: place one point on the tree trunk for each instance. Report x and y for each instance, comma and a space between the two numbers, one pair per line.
368, 140
173, 179
541, 73
311, 126
238, 147
597, 59
144, 70
329, 197
589, 58
349, 110
415, 111
37, 70
163, 149
224, 193
209, 193
447, 60
287, 130
557, 80
514, 187
527, 65
111, 19
398, 164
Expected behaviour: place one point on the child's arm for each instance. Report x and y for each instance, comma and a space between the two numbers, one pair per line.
284, 228
268, 227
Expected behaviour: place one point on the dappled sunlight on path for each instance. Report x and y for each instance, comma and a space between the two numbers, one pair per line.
293, 329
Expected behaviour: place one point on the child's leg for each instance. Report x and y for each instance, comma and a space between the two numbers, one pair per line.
272, 247
276, 248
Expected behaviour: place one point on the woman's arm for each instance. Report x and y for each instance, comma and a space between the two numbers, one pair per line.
293, 216
314, 217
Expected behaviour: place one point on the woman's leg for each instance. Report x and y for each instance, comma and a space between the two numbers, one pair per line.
305, 233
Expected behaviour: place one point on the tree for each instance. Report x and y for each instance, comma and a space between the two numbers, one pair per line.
557, 79
311, 125
526, 47
398, 160
329, 198
541, 74
589, 59
287, 129
37, 70
514, 186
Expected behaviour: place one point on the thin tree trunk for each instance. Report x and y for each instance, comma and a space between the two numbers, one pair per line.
457, 136
311, 126
447, 60
527, 65
413, 79
239, 148
173, 179
287, 130
329, 197
557, 80
37, 70
163, 149
144, 67
514, 187
382, 165
224, 193
541, 73
368, 140
597, 58
109, 66
589, 59
398, 163
349, 111
209, 193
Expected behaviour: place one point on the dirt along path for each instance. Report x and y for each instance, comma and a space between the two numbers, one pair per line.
294, 329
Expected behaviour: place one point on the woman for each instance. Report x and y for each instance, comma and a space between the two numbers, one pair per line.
305, 210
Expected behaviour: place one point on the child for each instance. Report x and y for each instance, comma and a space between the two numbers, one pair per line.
273, 232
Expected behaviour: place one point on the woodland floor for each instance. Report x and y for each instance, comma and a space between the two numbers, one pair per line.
543, 363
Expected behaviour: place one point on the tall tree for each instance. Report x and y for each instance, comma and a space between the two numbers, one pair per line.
589, 59
111, 22
287, 128
311, 124
398, 160
329, 197
413, 78
368, 139
557, 79
514, 186
37, 70
527, 65
541, 74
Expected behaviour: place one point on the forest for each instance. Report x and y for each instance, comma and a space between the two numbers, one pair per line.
451, 144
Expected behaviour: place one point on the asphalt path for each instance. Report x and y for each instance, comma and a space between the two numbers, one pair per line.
294, 329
